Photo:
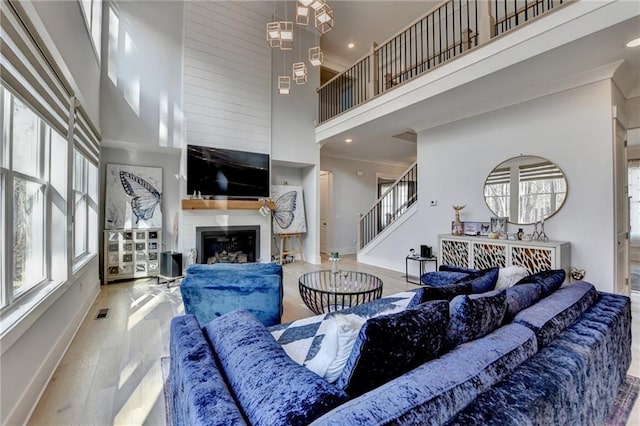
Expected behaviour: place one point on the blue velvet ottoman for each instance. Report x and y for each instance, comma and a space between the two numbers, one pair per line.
209, 291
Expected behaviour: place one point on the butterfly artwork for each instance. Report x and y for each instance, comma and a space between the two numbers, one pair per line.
145, 198
288, 213
133, 197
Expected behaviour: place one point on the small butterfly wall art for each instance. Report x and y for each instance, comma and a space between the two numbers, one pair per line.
288, 214
133, 197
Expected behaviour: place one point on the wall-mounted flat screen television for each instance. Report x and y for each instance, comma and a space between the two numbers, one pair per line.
227, 173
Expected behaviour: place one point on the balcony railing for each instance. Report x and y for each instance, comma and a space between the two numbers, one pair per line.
390, 206
445, 32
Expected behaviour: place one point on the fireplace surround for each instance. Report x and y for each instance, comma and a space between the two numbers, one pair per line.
228, 244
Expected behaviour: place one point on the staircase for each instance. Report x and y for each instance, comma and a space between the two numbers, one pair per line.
389, 207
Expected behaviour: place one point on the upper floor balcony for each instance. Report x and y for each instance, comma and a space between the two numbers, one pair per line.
442, 34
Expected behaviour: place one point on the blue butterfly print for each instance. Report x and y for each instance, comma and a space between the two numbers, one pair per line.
285, 206
145, 197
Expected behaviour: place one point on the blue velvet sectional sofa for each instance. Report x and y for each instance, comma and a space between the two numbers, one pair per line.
530, 354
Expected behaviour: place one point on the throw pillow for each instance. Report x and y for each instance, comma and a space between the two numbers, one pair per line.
510, 275
475, 316
336, 346
453, 268
390, 345
483, 280
549, 281
427, 294
442, 278
521, 297
269, 386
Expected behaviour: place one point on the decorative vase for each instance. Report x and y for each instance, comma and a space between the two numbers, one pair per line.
335, 262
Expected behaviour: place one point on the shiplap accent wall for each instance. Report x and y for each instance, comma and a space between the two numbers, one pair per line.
227, 77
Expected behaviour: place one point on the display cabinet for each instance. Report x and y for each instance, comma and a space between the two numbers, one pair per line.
482, 252
131, 253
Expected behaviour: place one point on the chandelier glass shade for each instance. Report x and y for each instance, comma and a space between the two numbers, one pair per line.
280, 35
299, 73
315, 56
284, 84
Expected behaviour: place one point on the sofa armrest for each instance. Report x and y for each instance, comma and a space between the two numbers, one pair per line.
199, 395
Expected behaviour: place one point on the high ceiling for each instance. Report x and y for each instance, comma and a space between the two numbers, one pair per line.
363, 22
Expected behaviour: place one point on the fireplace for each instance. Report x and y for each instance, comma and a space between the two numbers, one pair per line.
228, 244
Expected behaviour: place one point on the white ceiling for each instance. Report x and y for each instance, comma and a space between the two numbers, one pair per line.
363, 22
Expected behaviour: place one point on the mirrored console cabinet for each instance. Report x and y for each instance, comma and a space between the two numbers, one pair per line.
131, 253
482, 252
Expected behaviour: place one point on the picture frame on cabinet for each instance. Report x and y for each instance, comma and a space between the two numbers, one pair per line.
499, 224
471, 228
485, 228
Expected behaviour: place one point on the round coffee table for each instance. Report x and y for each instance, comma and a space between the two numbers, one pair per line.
325, 291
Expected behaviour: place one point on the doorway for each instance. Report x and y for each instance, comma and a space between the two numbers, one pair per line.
326, 197
634, 224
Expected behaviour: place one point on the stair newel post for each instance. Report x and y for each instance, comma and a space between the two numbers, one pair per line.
486, 22
373, 71
359, 237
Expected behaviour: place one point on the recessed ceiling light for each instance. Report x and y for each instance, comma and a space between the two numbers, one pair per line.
634, 43
351, 45
348, 140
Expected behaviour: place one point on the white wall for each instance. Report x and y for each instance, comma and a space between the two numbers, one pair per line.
72, 42
571, 128
353, 195
142, 74
227, 81
293, 116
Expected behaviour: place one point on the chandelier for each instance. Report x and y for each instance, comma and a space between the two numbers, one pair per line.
280, 35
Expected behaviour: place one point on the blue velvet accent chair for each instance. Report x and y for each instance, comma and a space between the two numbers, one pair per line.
210, 291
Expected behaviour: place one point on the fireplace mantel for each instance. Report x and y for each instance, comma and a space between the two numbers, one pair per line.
225, 204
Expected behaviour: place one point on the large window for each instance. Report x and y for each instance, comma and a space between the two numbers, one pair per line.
85, 191
92, 12
33, 196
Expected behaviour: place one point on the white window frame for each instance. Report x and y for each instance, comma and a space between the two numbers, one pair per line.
8, 296
91, 22
89, 205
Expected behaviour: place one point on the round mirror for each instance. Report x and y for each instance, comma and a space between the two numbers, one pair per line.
525, 189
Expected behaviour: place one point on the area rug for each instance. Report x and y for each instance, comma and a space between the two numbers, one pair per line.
624, 401
618, 417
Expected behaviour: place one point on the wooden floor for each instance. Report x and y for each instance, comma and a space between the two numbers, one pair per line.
111, 372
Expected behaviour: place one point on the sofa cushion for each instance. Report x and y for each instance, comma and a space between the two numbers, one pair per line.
441, 279
482, 281
427, 294
510, 275
521, 297
549, 280
475, 316
390, 345
551, 315
269, 386
199, 394
435, 391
